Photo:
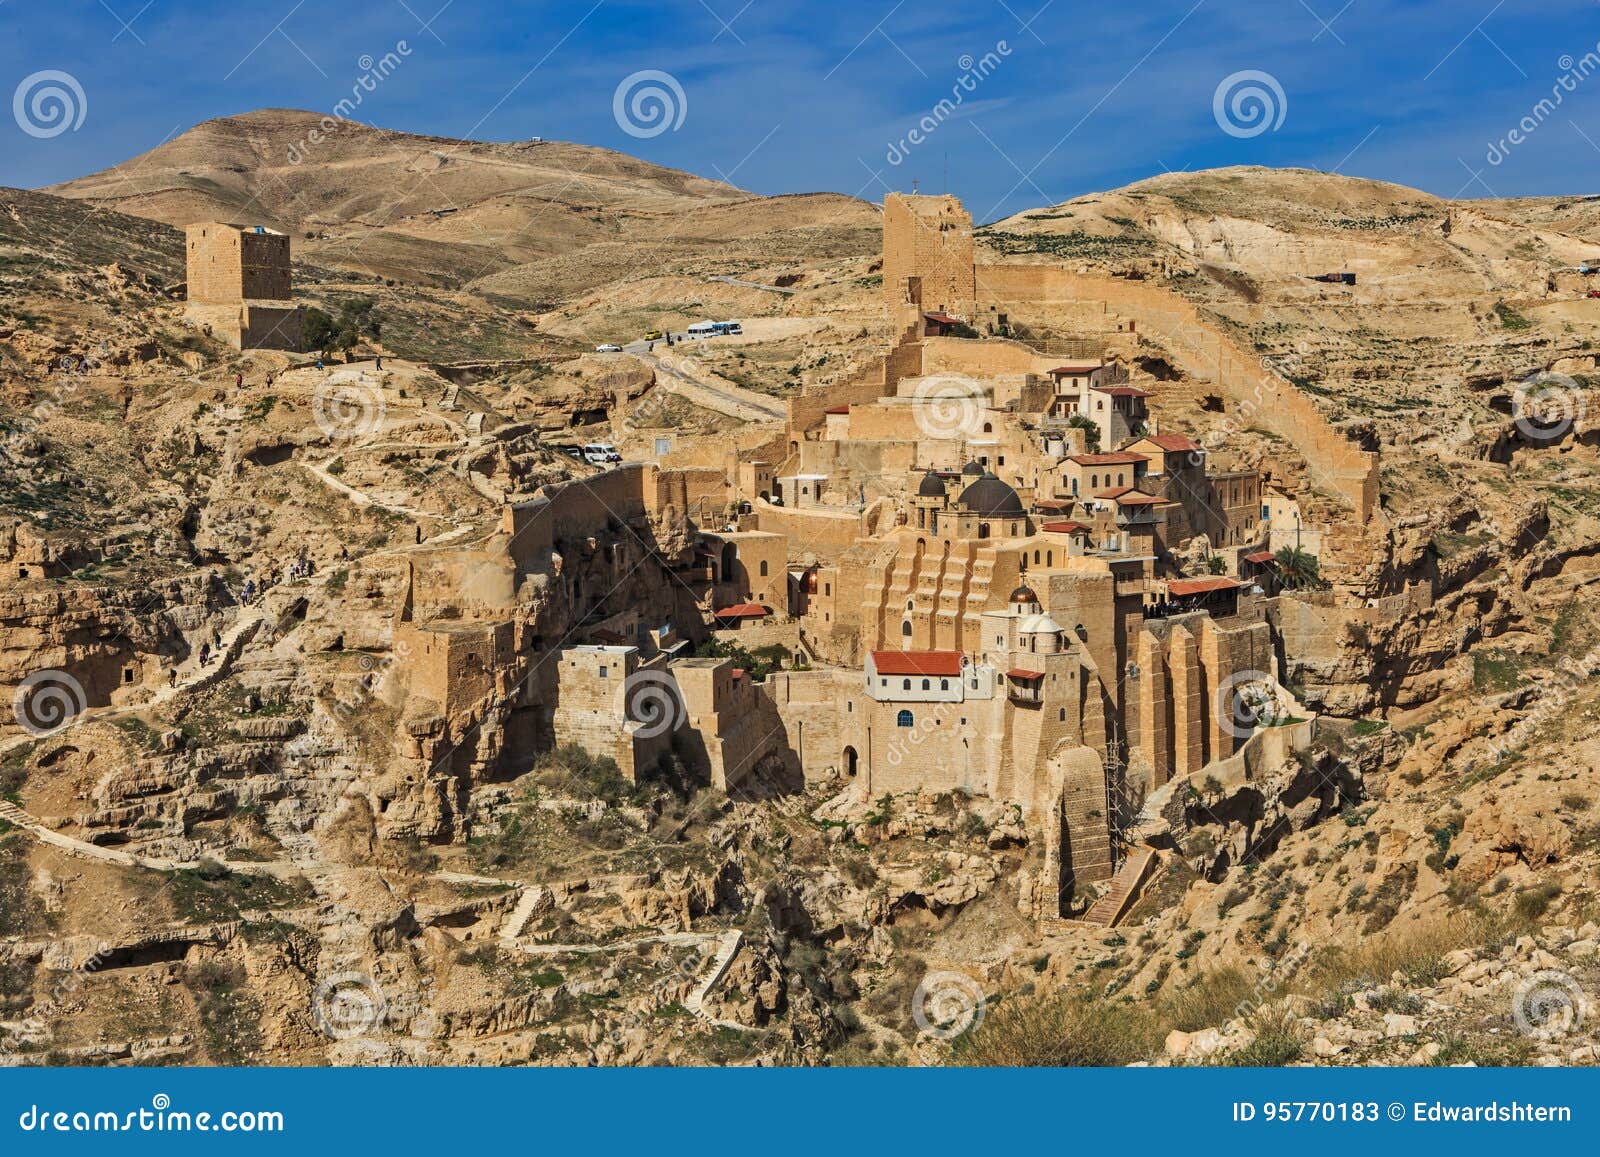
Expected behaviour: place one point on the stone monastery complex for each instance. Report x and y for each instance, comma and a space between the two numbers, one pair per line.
969, 552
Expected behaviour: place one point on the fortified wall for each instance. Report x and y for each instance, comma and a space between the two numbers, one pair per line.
1258, 397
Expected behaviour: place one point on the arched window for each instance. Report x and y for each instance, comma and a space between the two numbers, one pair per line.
763, 568
1094, 482
988, 427
944, 684
905, 684
905, 628
904, 719
1049, 558
983, 530
1035, 558
1063, 715
927, 685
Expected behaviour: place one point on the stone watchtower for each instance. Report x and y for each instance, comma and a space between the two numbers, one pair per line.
927, 255
239, 287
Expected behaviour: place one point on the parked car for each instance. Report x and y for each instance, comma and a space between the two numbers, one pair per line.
652, 335
600, 454
608, 348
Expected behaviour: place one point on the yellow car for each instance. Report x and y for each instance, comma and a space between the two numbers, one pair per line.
652, 335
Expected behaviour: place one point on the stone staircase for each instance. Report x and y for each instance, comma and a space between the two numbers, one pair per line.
1125, 886
720, 963
532, 896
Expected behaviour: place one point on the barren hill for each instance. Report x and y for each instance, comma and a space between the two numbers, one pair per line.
443, 211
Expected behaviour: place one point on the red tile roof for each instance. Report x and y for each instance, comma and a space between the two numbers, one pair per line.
742, 611
1114, 458
1053, 504
943, 318
837, 410
1122, 391
1078, 368
1019, 673
917, 662
1174, 443
1259, 556
1067, 526
1181, 588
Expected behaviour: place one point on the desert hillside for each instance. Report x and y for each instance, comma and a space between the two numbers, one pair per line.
268, 808
422, 208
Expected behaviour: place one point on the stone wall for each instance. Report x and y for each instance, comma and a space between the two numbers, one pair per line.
1257, 397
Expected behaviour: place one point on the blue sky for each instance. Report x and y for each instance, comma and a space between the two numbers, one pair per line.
790, 97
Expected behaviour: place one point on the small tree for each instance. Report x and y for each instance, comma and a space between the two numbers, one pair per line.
1298, 569
1091, 431
325, 334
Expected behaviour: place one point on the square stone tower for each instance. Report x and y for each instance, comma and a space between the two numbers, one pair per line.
239, 286
927, 255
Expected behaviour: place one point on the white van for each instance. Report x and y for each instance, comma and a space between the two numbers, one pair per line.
600, 453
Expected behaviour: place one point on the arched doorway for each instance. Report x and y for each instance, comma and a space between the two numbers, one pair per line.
850, 761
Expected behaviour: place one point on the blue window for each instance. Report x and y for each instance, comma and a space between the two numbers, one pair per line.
903, 719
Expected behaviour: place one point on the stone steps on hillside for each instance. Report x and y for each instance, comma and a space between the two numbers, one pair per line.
1124, 890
